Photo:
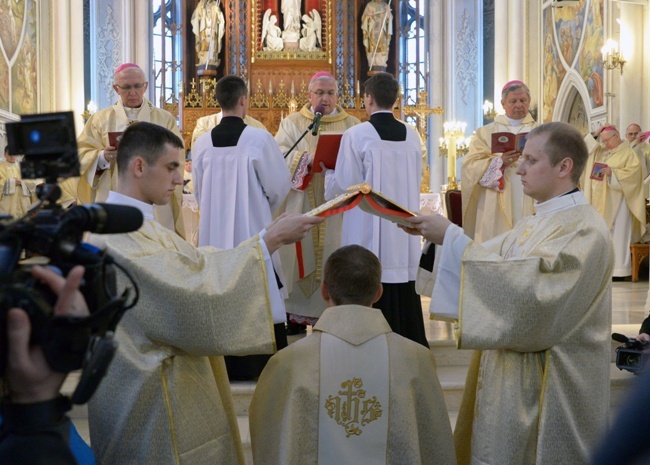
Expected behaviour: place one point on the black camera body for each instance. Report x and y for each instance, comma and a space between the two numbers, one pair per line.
633, 356
55, 235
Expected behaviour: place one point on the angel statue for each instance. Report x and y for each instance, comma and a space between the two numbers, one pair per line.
377, 28
208, 27
271, 33
311, 32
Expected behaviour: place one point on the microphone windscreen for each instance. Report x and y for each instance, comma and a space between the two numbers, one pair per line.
619, 337
108, 218
319, 109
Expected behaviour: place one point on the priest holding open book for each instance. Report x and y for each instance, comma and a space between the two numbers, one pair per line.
493, 198
302, 262
386, 154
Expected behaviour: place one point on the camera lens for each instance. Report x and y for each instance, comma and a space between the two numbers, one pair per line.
35, 136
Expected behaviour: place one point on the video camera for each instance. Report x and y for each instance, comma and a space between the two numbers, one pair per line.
49, 147
633, 356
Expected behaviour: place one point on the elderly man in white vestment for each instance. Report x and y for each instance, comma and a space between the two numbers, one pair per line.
166, 398
613, 183
240, 181
493, 199
352, 391
302, 263
384, 153
97, 156
536, 302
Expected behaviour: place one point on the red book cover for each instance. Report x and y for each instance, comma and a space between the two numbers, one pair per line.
597, 172
114, 138
507, 141
327, 150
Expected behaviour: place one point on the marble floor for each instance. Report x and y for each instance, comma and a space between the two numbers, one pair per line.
628, 311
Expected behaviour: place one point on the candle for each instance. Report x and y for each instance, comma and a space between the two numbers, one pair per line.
451, 159
358, 88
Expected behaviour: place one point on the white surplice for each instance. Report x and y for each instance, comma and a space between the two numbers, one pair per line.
394, 169
238, 188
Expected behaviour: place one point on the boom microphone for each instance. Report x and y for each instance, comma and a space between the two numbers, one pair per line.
105, 218
318, 114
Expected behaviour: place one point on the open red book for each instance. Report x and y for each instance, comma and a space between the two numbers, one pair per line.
369, 201
327, 150
507, 141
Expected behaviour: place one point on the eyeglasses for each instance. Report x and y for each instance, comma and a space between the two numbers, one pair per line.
320, 93
134, 86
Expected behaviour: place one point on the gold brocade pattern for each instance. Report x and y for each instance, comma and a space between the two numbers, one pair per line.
351, 409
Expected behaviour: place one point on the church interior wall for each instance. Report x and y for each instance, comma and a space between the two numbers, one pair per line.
41, 69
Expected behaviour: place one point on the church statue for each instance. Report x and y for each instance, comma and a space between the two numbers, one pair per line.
291, 24
311, 32
377, 28
208, 27
271, 33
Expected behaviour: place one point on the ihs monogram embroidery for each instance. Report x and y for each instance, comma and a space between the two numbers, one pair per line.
350, 410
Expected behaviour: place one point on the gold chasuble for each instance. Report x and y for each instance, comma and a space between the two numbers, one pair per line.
94, 184
488, 212
302, 262
166, 398
606, 195
15, 199
298, 418
537, 303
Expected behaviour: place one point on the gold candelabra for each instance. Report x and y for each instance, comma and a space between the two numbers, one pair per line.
612, 57
488, 110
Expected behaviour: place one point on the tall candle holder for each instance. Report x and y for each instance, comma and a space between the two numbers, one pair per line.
452, 146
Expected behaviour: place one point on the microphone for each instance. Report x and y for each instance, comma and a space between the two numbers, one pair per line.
318, 114
105, 218
620, 338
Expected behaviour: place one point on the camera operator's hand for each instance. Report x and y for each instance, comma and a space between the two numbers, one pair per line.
643, 337
28, 375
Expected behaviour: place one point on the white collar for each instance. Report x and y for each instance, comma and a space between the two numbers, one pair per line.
514, 122
559, 203
121, 199
335, 111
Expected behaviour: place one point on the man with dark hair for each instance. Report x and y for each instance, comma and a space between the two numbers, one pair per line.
392, 410
386, 154
97, 156
240, 181
536, 303
493, 200
165, 398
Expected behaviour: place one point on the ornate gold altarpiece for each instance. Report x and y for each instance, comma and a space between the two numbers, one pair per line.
278, 79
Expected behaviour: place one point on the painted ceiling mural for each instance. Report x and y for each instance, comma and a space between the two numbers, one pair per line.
573, 38
18, 60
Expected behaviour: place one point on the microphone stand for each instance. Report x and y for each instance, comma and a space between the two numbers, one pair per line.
309, 128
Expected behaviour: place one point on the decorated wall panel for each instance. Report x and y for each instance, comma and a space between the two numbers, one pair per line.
573, 72
18, 56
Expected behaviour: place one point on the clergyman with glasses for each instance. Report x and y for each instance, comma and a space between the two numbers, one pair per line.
98, 140
302, 263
